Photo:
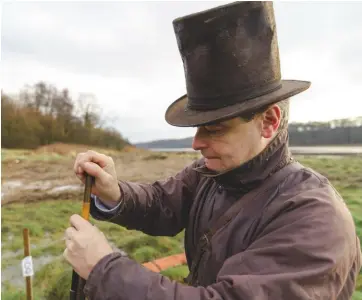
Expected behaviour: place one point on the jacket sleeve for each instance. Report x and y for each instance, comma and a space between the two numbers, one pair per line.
160, 208
308, 252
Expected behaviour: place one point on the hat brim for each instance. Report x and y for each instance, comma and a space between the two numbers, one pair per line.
179, 115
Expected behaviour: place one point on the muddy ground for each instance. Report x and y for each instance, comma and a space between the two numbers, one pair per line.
28, 176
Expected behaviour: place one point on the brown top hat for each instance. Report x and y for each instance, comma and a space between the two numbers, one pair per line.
231, 62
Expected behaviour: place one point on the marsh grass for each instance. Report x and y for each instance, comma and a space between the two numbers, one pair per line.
47, 221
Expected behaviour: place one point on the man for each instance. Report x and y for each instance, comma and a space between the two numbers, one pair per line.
258, 225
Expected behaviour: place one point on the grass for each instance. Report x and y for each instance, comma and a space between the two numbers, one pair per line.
54, 152
50, 219
28, 155
47, 221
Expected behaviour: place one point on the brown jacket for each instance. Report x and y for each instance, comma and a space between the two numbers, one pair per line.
294, 240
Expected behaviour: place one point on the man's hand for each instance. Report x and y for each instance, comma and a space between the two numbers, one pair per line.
86, 246
102, 168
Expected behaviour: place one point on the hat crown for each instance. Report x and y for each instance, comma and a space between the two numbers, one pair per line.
229, 50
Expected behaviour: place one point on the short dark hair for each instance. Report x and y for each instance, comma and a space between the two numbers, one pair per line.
284, 119
284, 108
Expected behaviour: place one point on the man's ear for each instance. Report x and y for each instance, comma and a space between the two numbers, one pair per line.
270, 121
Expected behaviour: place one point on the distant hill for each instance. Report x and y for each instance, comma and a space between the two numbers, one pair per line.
172, 143
310, 134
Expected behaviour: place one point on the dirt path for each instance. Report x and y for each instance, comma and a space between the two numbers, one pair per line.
43, 177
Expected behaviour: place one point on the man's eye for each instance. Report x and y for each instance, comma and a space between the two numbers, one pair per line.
214, 130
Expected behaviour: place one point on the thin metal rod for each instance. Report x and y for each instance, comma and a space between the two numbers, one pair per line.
78, 283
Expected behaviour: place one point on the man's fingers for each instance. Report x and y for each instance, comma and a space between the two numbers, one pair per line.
79, 223
70, 233
66, 254
69, 244
91, 156
98, 158
68, 258
93, 169
76, 168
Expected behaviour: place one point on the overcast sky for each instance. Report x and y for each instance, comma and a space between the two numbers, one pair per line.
126, 55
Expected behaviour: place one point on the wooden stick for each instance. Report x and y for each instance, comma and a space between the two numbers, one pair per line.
26, 238
87, 195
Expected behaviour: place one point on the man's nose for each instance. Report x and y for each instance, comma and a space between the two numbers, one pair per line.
199, 141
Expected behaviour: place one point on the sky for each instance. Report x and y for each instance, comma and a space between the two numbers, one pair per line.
125, 55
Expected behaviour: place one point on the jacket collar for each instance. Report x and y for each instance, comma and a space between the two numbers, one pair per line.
251, 173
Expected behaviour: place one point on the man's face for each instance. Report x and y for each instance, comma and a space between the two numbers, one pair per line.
228, 144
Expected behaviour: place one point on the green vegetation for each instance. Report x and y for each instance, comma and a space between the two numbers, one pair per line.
47, 221
29, 156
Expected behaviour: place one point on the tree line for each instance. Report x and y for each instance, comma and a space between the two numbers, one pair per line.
335, 132
43, 115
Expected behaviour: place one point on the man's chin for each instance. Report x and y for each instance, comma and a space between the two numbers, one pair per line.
213, 164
